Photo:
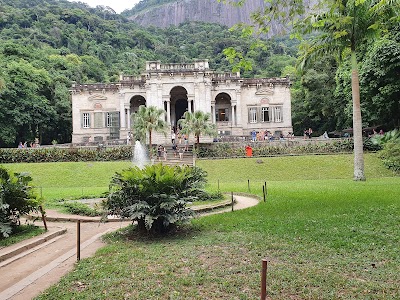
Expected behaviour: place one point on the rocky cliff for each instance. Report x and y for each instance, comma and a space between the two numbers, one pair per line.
210, 11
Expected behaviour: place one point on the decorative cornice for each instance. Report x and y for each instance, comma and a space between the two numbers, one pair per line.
97, 97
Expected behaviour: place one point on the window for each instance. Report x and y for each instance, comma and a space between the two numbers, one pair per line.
85, 120
253, 115
265, 114
222, 114
278, 113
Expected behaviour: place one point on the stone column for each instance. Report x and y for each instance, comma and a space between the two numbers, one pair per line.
122, 111
233, 115
129, 118
189, 105
213, 113
238, 107
168, 112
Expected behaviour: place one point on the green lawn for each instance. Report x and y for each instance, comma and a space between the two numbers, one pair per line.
326, 236
70, 180
21, 233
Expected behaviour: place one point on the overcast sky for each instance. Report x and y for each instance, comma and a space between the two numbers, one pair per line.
117, 5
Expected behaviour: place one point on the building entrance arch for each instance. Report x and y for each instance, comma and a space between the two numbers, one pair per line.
223, 111
179, 104
135, 102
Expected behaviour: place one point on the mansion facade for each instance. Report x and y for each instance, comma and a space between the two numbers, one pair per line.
238, 106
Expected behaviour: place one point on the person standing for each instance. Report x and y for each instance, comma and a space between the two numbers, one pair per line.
165, 153
253, 136
173, 136
181, 151
305, 134
186, 142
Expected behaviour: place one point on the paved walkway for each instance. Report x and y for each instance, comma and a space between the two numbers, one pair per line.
30, 267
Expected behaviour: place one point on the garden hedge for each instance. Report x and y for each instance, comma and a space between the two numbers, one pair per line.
213, 150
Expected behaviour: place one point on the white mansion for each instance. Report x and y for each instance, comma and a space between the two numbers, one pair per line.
237, 105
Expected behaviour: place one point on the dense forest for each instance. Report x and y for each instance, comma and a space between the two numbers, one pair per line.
48, 44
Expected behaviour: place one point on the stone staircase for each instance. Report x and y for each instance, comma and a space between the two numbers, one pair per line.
172, 160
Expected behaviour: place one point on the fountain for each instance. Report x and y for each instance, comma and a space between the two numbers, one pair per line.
140, 158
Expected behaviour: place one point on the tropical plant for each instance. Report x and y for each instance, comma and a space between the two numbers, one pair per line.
155, 196
16, 199
342, 28
390, 154
147, 120
390, 136
197, 123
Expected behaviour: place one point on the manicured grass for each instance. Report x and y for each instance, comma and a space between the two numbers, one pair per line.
70, 180
90, 179
21, 233
327, 237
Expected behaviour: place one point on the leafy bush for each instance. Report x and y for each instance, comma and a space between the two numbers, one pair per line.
78, 208
16, 199
65, 154
390, 136
156, 196
391, 156
287, 147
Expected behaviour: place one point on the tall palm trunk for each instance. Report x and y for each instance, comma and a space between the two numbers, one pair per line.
150, 145
357, 121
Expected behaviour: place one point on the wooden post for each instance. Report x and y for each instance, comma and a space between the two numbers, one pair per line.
264, 278
232, 201
248, 184
78, 240
264, 193
43, 217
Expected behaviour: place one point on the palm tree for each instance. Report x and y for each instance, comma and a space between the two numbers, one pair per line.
341, 29
146, 120
197, 123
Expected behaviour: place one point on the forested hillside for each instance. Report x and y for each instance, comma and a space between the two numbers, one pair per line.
45, 45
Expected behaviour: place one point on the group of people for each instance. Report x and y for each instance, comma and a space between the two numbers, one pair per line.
308, 133
177, 135
176, 139
162, 152
34, 144
268, 136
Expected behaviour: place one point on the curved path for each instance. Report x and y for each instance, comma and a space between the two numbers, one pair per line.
26, 275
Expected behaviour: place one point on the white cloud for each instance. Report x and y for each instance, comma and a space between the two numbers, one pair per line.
117, 5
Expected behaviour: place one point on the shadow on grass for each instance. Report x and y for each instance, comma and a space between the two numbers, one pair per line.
131, 233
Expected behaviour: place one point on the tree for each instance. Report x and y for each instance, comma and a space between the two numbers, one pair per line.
147, 120
379, 77
342, 28
312, 99
197, 123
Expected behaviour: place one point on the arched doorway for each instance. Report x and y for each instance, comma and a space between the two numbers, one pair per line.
179, 104
135, 102
223, 111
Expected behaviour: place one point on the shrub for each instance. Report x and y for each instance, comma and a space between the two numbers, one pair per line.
78, 208
286, 147
65, 154
156, 196
16, 198
391, 156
